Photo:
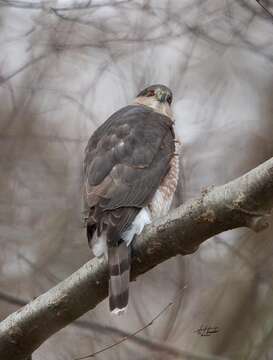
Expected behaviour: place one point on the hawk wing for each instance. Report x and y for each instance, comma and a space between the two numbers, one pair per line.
125, 160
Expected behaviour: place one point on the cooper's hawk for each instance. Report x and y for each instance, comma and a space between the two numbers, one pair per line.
130, 176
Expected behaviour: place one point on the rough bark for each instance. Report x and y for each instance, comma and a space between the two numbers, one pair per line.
244, 202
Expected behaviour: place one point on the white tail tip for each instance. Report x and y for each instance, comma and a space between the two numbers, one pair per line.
118, 311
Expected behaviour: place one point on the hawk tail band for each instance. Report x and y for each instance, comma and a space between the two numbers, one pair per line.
119, 277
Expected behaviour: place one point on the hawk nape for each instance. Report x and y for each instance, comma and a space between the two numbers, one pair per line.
130, 176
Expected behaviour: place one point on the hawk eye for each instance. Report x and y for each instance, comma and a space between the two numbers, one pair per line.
169, 99
150, 93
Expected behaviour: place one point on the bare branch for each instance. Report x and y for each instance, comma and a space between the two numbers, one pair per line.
11, 299
265, 9
245, 201
127, 336
46, 5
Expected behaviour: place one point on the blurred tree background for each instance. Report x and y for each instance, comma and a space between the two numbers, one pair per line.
65, 66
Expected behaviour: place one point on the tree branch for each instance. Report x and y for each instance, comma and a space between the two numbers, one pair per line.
245, 201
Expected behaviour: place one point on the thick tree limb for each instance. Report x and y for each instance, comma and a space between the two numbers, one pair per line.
245, 201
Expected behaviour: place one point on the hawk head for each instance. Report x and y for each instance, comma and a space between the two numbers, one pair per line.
158, 97
160, 93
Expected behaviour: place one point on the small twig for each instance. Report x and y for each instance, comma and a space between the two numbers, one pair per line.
155, 346
108, 347
257, 221
265, 9
11, 299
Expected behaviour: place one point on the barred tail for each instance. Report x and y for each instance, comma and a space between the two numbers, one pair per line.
119, 277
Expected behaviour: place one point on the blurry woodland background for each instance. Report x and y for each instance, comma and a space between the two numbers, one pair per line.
64, 68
